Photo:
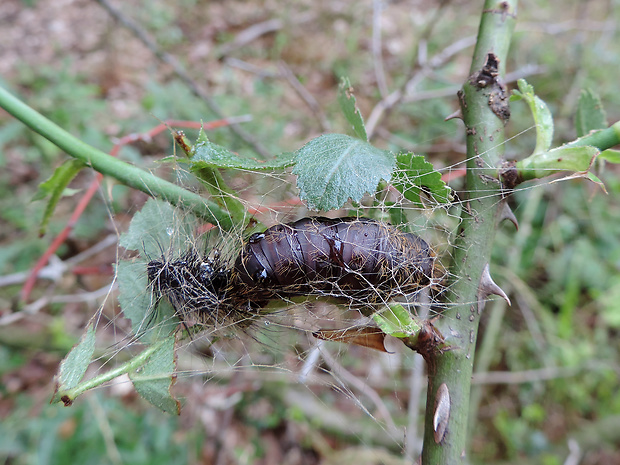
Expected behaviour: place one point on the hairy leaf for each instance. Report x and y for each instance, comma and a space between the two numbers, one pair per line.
590, 113
150, 320
334, 168
346, 99
55, 186
540, 112
157, 229
155, 378
210, 155
415, 174
74, 365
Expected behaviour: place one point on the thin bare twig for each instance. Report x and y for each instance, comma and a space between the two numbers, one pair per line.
250, 34
525, 376
253, 32
307, 97
310, 362
34, 307
250, 68
390, 100
406, 91
352, 380
413, 441
569, 26
377, 55
574, 455
181, 73
57, 267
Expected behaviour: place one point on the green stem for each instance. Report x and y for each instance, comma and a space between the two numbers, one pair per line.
217, 187
128, 367
576, 156
110, 166
603, 139
484, 108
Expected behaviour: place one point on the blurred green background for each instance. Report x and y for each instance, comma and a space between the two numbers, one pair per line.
549, 388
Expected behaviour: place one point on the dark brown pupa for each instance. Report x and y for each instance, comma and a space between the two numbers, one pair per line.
350, 258
356, 260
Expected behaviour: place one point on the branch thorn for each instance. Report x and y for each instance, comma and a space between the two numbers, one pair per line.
457, 114
506, 213
487, 287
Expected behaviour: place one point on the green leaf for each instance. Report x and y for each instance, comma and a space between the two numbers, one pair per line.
55, 187
155, 230
346, 99
396, 321
576, 159
612, 156
150, 320
74, 365
590, 113
210, 155
540, 112
414, 175
334, 168
155, 378
158, 228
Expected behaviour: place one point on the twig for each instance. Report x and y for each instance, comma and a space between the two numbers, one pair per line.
449, 383
250, 68
390, 100
307, 97
106, 431
310, 362
363, 388
526, 376
568, 26
253, 32
377, 55
574, 454
34, 307
406, 91
250, 34
181, 73
413, 441
57, 267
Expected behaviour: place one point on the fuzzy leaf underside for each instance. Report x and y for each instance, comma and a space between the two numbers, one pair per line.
210, 155
159, 228
74, 365
155, 230
155, 378
334, 168
150, 320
